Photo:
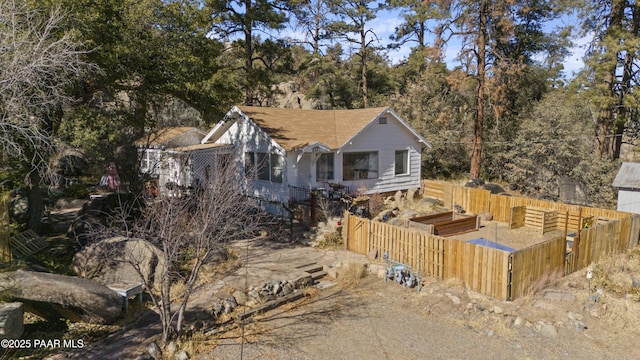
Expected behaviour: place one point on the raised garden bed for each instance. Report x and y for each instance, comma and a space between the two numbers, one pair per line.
445, 224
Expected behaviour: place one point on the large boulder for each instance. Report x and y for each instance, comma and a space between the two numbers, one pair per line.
115, 260
53, 296
493, 188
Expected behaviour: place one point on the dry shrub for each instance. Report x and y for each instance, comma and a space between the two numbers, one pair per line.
332, 239
376, 203
212, 271
547, 279
177, 290
351, 274
197, 343
453, 282
615, 275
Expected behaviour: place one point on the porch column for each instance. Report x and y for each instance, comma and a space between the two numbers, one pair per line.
312, 171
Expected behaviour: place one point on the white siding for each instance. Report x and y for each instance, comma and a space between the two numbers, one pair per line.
250, 138
629, 201
385, 139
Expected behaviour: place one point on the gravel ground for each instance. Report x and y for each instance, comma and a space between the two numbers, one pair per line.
381, 320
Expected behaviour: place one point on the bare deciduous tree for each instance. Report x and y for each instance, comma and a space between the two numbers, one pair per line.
38, 61
189, 230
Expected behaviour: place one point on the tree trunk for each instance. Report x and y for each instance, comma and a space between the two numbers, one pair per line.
606, 143
36, 205
248, 56
363, 59
476, 152
627, 84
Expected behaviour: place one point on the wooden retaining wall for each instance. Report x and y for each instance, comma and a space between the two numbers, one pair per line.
432, 219
457, 226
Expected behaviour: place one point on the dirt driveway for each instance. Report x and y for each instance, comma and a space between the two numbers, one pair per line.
380, 320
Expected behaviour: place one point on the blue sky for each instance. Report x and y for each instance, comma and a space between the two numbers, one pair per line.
386, 21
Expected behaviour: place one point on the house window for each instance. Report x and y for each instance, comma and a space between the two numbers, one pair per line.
268, 167
262, 160
360, 166
150, 159
402, 162
277, 163
324, 167
249, 165
146, 162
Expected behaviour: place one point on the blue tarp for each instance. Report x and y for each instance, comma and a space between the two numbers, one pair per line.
491, 244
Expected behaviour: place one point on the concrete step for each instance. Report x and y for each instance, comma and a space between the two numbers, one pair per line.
313, 268
318, 275
306, 265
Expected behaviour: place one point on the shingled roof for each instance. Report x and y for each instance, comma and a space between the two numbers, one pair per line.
297, 128
166, 135
628, 176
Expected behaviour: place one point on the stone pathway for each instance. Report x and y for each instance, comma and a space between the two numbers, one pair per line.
263, 261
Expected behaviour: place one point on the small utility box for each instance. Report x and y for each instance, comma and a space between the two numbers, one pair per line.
127, 290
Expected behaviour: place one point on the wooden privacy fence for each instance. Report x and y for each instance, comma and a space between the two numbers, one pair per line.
472, 200
533, 267
493, 272
422, 251
479, 200
603, 240
482, 269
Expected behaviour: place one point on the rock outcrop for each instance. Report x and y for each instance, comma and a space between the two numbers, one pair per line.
112, 261
54, 296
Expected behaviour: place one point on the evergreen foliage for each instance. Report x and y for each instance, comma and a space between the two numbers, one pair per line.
506, 113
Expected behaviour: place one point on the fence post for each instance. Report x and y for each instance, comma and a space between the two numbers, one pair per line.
564, 253
368, 236
345, 229
576, 241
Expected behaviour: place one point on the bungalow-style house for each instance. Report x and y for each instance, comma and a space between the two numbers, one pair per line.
627, 181
369, 150
175, 158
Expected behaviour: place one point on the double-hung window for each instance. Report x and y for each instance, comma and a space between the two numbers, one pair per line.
264, 166
402, 162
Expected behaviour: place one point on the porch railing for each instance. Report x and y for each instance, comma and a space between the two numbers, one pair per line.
298, 195
332, 191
